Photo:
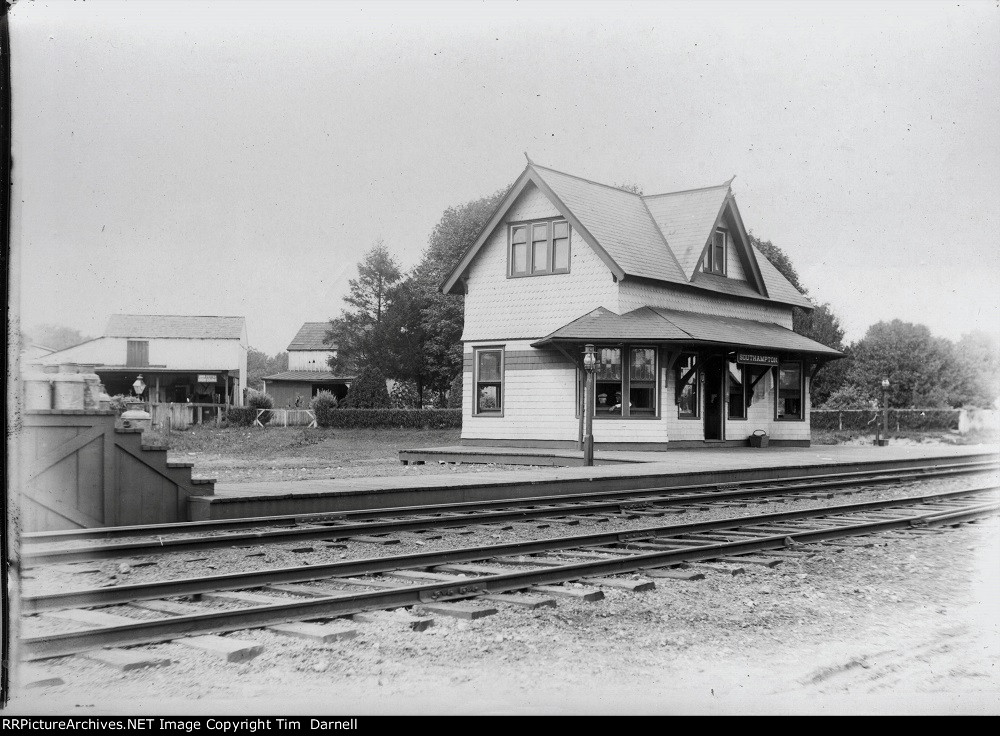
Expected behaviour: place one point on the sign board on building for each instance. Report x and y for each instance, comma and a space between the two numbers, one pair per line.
206, 378
756, 359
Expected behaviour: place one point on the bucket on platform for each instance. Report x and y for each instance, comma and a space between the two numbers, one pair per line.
37, 391
68, 391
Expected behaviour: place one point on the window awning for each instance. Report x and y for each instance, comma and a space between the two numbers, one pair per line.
655, 325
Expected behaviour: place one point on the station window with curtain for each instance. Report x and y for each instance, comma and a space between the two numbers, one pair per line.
790, 393
686, 381
737, 391
539, 248
488, 379
626, 371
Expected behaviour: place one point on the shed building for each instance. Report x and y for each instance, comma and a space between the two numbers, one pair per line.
181, 358
308, 369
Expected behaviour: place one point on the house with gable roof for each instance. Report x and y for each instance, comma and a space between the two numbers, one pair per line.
308, 369
692, 326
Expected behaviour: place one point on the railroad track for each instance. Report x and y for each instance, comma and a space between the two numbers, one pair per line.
91, 544
151, 612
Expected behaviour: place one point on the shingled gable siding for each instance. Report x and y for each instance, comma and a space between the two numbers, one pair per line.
501, 308
633, 294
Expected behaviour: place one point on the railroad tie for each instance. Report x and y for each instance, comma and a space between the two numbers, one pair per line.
395, 618
590, 595
125, 660
459, 609
633, 586
521, 599
321, 633
673, 574
231, 650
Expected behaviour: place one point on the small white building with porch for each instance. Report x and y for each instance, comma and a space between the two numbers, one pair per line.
692, 326
181, 358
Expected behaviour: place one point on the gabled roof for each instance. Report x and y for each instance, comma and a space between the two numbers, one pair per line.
659, 237
656, 324
313, 376
310, 337
173, 325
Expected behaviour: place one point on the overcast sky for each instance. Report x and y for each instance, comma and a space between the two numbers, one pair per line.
240, 158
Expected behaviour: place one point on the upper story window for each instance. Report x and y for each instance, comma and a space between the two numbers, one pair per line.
137, 352
538, 248
715, 253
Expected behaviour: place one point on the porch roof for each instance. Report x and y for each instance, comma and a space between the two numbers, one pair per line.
675, 327
307, 376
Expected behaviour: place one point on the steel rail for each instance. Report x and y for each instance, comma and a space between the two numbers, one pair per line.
339, 526
141, 632
234, 581
803, 483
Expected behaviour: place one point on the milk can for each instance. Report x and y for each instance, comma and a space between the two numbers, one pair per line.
37, 391
91, 391
68, 391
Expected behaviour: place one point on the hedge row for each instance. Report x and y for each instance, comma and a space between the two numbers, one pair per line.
404, 418
899, 419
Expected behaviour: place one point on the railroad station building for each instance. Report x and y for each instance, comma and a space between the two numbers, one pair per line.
691, 325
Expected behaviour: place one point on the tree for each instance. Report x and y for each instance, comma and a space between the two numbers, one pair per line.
977, 368
260, 364
368, 391
442, 315
356, 332
919, 366
57, 337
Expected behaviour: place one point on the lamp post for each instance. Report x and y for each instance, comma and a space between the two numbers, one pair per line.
589, 364
885, 414
139, 386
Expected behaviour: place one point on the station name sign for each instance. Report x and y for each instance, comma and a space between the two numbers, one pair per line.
206, 378
756, 359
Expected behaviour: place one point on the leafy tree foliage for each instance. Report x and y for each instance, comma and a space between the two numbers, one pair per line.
455, 393
358, 333
260, 364
368, 391
977, 366
57, 337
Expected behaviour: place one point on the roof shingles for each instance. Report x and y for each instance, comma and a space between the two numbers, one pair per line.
311, 336
174, 325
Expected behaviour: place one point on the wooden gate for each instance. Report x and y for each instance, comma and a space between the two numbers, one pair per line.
77, 470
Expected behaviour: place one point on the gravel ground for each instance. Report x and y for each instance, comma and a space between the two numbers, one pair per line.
911, 625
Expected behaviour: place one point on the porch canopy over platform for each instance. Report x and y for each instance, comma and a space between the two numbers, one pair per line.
671, 327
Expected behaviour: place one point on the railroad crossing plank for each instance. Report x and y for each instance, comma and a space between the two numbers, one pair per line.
674, 574
127, 659
231, 650
527, 601
322, 633
635, 586
590, 595
459, 609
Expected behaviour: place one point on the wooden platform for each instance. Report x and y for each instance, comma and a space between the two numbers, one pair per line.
622, 471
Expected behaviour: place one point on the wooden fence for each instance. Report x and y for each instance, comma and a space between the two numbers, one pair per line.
77, 470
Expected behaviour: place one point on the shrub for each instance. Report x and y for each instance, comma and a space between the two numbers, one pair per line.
404, 396
119, 403
368, 391
323, 404
247, 415
455, 393
393, 418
